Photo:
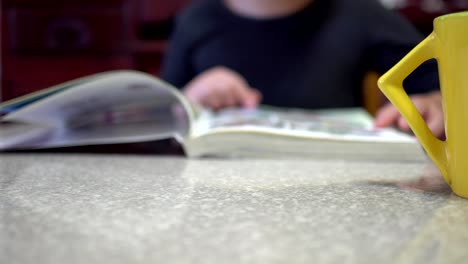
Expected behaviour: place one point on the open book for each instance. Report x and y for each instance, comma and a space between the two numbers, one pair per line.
129, 106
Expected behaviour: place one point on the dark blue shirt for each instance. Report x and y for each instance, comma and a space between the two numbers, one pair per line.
315, 58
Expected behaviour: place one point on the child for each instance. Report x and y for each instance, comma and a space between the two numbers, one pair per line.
295, 53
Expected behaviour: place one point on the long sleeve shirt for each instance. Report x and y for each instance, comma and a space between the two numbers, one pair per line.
315, 58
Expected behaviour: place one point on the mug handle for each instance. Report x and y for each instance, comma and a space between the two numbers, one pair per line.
391, 84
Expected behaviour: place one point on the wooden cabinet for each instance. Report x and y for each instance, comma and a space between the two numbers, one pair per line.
50, 41
423, 12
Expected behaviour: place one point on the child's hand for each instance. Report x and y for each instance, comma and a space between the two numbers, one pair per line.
430, 107
221, 87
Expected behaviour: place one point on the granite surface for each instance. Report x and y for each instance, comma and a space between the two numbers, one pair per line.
70, 208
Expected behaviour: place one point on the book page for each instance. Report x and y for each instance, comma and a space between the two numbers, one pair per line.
120, 106
17, 134
342, 124
19, 102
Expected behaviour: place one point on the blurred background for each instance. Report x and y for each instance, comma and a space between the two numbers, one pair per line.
47, 42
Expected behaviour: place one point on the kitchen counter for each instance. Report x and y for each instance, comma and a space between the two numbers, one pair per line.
72, 208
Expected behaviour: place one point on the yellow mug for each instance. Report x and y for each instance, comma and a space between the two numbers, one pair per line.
448, 44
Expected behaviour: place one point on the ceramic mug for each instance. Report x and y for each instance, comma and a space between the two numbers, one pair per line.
448, 44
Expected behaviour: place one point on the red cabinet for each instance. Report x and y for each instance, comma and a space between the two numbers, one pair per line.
50, 41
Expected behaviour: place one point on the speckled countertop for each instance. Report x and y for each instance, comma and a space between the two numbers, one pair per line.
69, 208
